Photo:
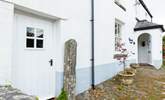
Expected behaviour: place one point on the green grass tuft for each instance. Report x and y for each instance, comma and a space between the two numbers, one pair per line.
63, 95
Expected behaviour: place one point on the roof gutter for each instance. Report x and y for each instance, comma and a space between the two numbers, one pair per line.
145, 7
92, 46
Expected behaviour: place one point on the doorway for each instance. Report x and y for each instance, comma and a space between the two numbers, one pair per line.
33, 44
144, 48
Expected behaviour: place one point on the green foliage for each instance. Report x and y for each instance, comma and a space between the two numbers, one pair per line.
120, 87
163, 39
7, 86
152, 97
163, 66
37, 98
63, 95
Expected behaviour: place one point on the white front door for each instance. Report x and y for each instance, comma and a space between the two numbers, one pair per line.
33, 71
144, 49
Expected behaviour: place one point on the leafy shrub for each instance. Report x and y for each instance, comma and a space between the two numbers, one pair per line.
37, 98
163, 66
63, 95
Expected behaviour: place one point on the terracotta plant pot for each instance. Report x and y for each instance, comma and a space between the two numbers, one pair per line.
126, 77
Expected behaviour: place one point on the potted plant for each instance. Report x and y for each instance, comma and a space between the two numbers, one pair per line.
125, 76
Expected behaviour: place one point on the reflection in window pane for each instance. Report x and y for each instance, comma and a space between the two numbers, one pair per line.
30, 32
30, 43
40, 33
39, 43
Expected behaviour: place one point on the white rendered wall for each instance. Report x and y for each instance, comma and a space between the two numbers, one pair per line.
6, 24
47, 6
157, 48
77, 26
141, 13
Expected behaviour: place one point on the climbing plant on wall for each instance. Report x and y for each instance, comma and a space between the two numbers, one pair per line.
163, 50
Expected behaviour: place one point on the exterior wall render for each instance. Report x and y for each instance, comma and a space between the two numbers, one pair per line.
103, 72
6, 20
77, 26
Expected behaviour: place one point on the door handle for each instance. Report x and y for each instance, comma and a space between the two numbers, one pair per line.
51, 62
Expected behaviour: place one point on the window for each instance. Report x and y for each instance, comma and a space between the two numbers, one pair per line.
34, 37
118, 30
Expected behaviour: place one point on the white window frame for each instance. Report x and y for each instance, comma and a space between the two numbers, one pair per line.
35, 39
118, 32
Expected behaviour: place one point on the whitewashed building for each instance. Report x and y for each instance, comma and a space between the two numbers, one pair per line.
33, 33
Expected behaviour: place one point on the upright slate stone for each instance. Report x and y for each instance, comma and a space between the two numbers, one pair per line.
70, 69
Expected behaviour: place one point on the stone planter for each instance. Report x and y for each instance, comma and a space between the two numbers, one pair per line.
126, 77
135, 66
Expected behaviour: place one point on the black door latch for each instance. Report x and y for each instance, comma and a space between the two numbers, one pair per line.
51, 62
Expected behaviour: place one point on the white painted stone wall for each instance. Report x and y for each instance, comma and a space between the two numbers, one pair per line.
77, 25
6, 24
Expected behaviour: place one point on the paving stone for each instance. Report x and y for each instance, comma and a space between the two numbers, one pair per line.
163, 83
163, 86
10, 93
145, 85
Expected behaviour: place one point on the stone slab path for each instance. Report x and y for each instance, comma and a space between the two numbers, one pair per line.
149, 84
163, 89
10, 93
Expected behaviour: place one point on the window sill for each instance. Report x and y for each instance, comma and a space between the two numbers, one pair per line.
35, 49
121, 6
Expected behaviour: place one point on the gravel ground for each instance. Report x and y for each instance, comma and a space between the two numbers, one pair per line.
149, 84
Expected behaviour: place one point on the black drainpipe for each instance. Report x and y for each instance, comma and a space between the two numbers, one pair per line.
92, 46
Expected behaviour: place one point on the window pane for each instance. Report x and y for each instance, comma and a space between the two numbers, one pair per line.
119, 29
39, 43
40, 33
30, 43
30, 32
118, 32
115, 28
